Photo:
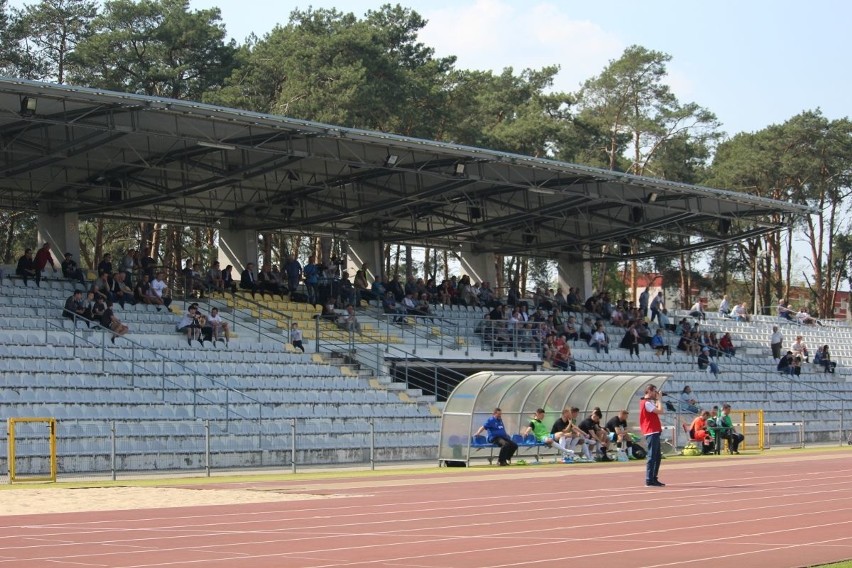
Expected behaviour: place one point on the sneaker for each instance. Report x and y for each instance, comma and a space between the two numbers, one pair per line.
654, 484
567, 459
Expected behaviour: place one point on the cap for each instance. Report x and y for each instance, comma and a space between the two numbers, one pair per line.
706, 349
67, 254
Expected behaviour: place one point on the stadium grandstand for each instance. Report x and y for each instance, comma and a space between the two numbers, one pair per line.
361, 393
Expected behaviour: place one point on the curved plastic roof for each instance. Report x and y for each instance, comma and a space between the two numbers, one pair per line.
518, 395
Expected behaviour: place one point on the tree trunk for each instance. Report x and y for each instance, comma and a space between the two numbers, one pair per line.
8, 255
99, 242
427, 263
409, 262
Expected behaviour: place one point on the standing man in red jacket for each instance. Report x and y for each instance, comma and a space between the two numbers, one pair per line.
650, 408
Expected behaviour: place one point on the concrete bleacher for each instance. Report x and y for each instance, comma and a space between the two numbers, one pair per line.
251, 393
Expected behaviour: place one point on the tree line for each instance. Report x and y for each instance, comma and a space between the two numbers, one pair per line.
372, 72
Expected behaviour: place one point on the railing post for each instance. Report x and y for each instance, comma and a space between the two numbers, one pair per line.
207, 467
372, 445
317, 335
803, 429
103, 352
112, 449
840, 439
45, 331
293, 444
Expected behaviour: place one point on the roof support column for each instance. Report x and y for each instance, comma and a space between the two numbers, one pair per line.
61, 231
481, 267
360, 254
575, 273
237, 248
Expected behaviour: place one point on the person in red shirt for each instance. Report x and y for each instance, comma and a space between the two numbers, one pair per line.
698, 431
42, 259
650, 408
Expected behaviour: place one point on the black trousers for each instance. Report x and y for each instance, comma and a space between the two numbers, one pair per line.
507, 449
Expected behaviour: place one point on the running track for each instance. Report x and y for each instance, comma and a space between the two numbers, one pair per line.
753, 511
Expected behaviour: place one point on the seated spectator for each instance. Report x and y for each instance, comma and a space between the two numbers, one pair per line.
804, 318
727, 430
593, 429
121, 292
797, 366
630, 341
699, 432
800, 349
724, 307
362, 289
193, 282
143, 293
228, 279
214, 282
413, 307
191, 323
697, 311
349, 321
248, 280
75, 308
391, 307
26, 268
664, 321
785, 364
497, 435
587, 329
111, 322
823, 357
705, 362
688, 400
562, 357
618, 434
784, 311
267, 282
600, 340
129, 263
105, 265
219, 328
659, 345
161, 289
101, 287
70, 269
726, 345
740, 313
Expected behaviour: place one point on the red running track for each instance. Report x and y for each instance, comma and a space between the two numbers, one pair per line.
756, 511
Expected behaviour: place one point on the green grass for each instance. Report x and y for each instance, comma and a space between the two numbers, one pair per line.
844, 564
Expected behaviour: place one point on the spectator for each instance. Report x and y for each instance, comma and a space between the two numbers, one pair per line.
101, 287
191, 323
658, 344
497, 435
70, 269
644, 298
391, 307
129, 263
228, 279
248, 280
120, 291
143, 293
26, 268
193, 281
630, 341
311, 274
75, 308
688, 400
699, 432
804, 318
657, 305
569, 330
800, 349
697, 311
784, 311
591, 425
705, 362
618, 434
158, 285
740, 313
293, 271
111, 322
726, 345
797, 366
296, 336
362, 288
42, 259
663, 320
776, 341
727, 430
724, 307
215, 283
267, 282
349, 321
562, 357
785, 364
823, 357
599, 339
219, 330
105, 265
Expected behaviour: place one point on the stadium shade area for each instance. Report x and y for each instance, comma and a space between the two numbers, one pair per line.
104, 154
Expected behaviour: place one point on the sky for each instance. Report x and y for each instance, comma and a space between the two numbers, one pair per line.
753, 63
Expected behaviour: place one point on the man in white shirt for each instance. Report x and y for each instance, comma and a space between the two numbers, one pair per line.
162, 290
697, 311
599, 340
221, 332
775, 342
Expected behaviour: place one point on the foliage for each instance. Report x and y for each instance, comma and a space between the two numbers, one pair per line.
155, 47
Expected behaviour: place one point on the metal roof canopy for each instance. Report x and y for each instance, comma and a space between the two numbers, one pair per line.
518, 395
134, 157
